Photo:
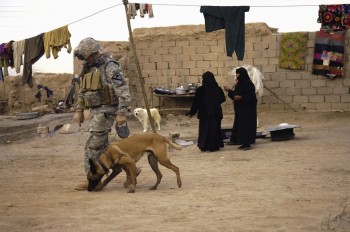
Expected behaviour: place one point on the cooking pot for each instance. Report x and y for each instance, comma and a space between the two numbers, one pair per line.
180, 90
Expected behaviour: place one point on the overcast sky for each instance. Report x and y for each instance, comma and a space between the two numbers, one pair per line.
106, 20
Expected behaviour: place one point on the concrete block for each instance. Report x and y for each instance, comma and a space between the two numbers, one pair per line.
211, 57
323, 106
287, 83
332, 98
345, 98
308, 91
197, 57
189, 50
316, 98
182, 43
217, 49
324, 90
162, 51
203, 50
169, 58
196, 42
293, 91
341, 106
190, 64
303, 84
175, 50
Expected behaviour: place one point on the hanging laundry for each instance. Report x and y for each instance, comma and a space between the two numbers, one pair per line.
55, 40
132, 10
329, 54
33, 51
293, 50
3, 60
232, 19
6, 56
143, 8
334, 17
18, 51
9, 53
149, 10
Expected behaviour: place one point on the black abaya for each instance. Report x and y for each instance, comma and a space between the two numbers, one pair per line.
207, 102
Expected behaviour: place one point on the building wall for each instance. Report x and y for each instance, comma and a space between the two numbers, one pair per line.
173, 56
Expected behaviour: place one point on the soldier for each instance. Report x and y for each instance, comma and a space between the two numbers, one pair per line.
104, 91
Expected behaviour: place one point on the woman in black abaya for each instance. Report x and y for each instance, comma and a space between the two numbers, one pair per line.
207, 102
244, 101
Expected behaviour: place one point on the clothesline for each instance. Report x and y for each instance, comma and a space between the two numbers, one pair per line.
186, 5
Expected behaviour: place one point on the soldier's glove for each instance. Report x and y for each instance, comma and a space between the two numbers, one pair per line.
78, 116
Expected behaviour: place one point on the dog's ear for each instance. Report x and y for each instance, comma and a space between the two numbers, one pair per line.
92, 166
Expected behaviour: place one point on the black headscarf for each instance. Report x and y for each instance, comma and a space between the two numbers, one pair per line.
243, 81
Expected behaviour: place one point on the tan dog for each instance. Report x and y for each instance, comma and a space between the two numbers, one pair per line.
126, 153
142, 115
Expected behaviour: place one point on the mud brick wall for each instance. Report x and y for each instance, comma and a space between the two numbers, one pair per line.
173, 56
21, 98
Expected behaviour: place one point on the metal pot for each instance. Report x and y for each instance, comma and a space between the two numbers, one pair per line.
180, 90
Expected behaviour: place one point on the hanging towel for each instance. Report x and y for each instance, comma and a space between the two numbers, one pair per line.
33, 50
55, 40
232, 19
293, 50
18, 50
329, 54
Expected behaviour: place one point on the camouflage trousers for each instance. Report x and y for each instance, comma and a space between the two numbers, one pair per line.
97, 140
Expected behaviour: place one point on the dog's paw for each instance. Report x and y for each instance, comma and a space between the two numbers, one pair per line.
127, 184
144, 131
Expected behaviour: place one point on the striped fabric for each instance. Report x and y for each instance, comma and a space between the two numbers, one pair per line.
293, 50
329, 54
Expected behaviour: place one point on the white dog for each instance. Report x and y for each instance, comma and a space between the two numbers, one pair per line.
142, 116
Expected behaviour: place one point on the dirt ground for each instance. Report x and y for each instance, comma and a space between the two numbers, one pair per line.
302, 184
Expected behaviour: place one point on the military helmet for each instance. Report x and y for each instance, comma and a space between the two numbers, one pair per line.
85, 48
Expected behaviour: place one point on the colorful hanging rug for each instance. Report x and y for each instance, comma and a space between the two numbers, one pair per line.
334, 17
293, 50
329, 54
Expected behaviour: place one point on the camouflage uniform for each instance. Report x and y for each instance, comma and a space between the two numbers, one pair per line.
112, 97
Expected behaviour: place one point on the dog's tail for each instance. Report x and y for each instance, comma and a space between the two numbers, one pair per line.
173, 145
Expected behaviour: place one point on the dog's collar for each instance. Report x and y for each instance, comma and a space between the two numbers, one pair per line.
105, 169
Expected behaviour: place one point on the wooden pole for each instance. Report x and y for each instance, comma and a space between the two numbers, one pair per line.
142, 81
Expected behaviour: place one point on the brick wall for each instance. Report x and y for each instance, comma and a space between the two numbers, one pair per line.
174, 56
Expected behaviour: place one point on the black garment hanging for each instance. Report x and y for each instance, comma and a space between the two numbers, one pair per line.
232, 19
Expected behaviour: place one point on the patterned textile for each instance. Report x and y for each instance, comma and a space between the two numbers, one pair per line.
329, 54
293, 50
334, 17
